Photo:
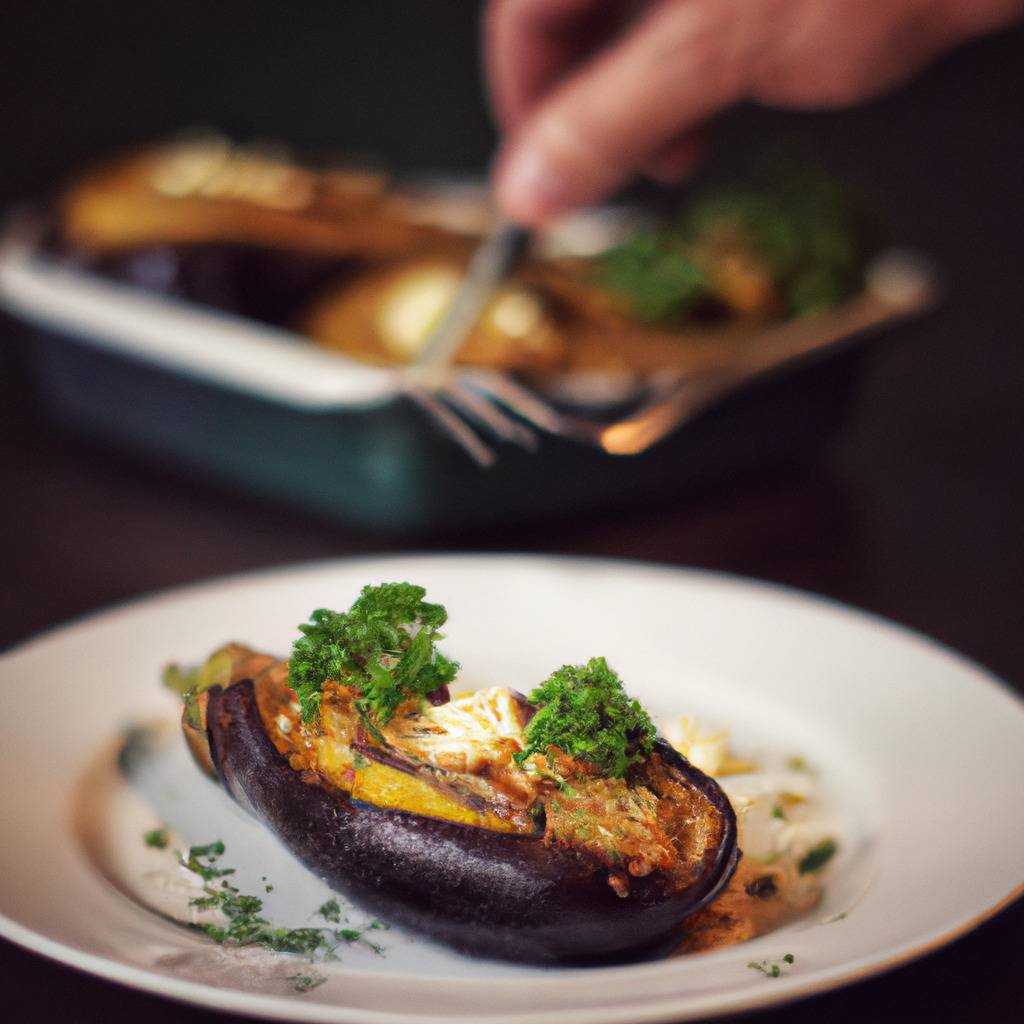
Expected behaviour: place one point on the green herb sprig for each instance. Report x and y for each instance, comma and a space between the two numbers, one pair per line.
805, 229
384, 645
585, 713
657, 273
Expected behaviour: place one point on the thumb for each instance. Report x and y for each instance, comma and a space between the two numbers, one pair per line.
671, 71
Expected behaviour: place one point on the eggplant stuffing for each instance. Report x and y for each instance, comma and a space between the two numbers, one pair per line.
557, 828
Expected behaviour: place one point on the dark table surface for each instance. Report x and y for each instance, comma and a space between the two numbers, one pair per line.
913, 512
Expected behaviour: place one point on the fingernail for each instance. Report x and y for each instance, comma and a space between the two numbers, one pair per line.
529, 189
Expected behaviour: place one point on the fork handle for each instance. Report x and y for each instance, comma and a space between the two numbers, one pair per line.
492, 262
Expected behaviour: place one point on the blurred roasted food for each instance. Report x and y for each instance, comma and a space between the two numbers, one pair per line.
201, 189
368, 266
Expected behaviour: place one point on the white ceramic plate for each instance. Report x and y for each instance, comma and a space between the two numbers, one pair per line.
920, 754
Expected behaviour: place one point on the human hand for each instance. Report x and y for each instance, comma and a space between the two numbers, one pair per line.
590, 93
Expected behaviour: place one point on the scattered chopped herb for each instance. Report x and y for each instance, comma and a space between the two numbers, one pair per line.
817, 857
772, 968
215, 849
378, 925
585, 713
157, 838
351, 935
778, 812
306, 982
384, 645
330, 911
797, 764
359, 761
210, 852
246, 927
763, 888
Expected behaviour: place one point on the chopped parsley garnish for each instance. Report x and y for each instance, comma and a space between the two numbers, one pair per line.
384, 646
306, 982
210, 852
215, 849
586, 714
772, 968
156, 838
330, 911
817, 857
778, 812
245, 925
351, 935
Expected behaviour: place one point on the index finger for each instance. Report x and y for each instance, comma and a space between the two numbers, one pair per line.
530, 45
677, 66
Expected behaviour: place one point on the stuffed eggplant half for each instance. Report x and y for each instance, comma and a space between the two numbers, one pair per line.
557, 828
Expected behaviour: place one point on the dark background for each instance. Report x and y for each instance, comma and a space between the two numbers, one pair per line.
912, 512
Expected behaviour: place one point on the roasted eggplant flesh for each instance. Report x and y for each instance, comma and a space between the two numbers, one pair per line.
430, 832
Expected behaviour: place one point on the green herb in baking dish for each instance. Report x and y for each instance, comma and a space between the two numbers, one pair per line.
787, 242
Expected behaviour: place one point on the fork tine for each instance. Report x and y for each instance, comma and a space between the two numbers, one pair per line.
485, 411
518, 399
452, 424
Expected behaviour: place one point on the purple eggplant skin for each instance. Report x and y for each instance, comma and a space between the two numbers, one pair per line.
486, 893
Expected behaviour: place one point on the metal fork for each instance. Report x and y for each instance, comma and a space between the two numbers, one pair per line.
899, 284
453, 398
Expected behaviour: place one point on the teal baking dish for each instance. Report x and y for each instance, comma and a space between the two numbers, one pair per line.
253, 407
